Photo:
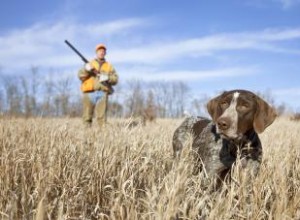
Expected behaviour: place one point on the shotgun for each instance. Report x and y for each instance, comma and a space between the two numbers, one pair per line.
86, 61
76, 51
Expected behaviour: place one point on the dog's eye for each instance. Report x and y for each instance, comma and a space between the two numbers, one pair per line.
224, 104
243, 107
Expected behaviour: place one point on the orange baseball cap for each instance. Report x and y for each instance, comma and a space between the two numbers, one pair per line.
100, 46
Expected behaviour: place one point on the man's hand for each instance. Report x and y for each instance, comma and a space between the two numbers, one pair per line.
103, 77
112, 79
88, 67
83, 78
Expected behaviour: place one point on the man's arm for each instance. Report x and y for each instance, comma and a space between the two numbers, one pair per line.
113, 77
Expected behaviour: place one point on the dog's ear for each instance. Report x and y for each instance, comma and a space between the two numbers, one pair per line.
212, 107
264, 116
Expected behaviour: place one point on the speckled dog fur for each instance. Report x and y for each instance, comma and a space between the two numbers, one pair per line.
237, 117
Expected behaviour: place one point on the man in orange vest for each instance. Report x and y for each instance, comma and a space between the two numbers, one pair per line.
97, 77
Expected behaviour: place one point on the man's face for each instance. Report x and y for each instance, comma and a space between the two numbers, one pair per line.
101, 53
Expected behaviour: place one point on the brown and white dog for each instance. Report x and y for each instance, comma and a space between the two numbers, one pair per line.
237, 117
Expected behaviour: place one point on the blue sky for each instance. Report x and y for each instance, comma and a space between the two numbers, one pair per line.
210, 45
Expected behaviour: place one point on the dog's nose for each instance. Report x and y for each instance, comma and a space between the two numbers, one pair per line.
223, 123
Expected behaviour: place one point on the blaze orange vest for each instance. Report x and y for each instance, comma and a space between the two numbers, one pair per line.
88, 85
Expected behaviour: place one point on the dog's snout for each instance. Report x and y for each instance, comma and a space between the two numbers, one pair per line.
223, 123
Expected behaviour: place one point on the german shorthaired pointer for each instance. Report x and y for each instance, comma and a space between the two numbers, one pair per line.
237, 117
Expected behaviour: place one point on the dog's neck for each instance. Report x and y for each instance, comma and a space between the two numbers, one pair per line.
239, 148
249, 137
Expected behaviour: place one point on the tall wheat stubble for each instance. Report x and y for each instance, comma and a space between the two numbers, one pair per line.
53, 169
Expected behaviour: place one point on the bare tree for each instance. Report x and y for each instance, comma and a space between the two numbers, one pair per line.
198, 104
30, 86
135, 99
13, 96
280, 109
1, 102
48, 96
115, 109
116, 103
180, 98
171, 98
267, 96
161, 97
62, 98
34, 89
149, 113
1, 95
26, 97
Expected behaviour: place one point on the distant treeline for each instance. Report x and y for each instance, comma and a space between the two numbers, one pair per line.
42, 95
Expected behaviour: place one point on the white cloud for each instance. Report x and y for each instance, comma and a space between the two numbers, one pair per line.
288, 96
160, 52
287, 92
42, 44
286, 4
152, 74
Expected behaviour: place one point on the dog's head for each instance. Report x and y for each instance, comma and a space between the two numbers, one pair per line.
238, 111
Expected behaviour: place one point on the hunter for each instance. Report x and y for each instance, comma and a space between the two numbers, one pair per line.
97, 77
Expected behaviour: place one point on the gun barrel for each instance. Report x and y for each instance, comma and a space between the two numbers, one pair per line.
76, 51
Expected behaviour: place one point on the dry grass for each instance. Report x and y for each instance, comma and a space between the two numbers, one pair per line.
53, 169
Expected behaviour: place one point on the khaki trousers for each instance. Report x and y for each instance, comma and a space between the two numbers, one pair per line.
90, 108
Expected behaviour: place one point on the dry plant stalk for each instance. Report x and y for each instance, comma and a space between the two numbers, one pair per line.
53, 169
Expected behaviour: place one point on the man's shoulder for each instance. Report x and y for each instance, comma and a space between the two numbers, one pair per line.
104, 64
108, 63
94, 62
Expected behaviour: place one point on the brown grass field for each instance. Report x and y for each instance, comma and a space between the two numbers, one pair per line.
54, 169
